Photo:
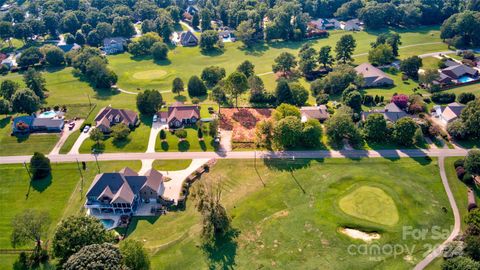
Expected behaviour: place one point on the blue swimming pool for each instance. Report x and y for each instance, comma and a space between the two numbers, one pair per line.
465, 79
107, 223
47, 114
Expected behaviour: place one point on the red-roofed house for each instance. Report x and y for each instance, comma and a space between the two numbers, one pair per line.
180, 115
109, 117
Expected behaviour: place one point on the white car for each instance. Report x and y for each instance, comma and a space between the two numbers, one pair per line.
86, 129
155, 118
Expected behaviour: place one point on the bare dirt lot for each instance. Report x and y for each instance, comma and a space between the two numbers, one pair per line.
242, 121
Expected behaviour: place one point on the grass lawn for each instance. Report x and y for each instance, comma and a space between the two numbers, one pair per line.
171, 164
293, 221
24, 145
60, 195
430, 63
191, 143
400, 87
137, 141
472, 88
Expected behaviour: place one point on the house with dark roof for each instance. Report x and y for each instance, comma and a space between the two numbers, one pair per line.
460, 70
449, 113
30, 124
123, 192
109, 117
373, 77
180, 115
391, 113
319, 113
67, 47
188, 39
114, 45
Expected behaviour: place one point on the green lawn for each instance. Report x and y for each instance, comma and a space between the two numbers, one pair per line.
191, 143
400, 87
293, 221
60, 195
430, 63
26, 144
171, 164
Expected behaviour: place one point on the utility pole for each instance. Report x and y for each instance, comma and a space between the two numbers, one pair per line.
81, 177
94, 152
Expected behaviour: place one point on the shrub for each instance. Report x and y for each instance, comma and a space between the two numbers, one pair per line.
163, 134
443, 98
200, 133
181, 133
460, 172
400, 100
40, 166
464, 98
459, 163
195, 100
467, 178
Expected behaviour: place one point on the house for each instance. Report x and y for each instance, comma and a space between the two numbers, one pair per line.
351, 25
443, 79
188, 39
449, 113
109, 117
123, 192
330, 24
319, 113
67, 47
391, 113
373, 76
458, 71
29, 124
180, 115
114, 45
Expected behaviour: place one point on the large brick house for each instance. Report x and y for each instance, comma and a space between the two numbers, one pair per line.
109, 117
180, 115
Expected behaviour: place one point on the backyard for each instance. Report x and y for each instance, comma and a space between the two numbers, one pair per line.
309, 201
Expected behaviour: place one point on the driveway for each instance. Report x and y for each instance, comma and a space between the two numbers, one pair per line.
63, 138
226, 140
154, 131
75, 148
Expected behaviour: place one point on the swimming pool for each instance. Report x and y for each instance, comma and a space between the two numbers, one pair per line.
107, 223
465, 79
47, 114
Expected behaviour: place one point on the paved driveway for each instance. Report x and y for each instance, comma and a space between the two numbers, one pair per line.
75, 148
154, 131
64, 136
174, 186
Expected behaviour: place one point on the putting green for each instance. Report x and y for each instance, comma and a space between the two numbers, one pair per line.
370, 203
149, 74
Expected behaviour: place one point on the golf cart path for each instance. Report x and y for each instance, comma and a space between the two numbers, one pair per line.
456, 229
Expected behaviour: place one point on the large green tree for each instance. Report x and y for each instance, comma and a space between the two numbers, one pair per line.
35, 81
470, 117
284, 63
404, 131
134, 255
8, 88
208, 40
196, 87
236, 84
39, 166
96, 256
25, 101
345, 48
30, 226
287, 132
472, 162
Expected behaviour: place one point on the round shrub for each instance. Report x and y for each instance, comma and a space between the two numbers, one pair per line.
460, 172
467, 178
458, 163
195, 100
181, 133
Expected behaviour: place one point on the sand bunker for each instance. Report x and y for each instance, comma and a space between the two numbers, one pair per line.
356, 234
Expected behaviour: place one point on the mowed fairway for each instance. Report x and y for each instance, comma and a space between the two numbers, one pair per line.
293, 221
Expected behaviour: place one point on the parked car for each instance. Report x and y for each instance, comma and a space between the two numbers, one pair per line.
71, 125
155, 118
86, 129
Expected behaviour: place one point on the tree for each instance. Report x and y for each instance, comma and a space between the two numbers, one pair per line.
149, 102
353, 99
470, 116
460, 263
215, 219
195, 20
404, 131
283, 92
30, 225
284, 63
99, 74
345, 48
401, 100
299, 94
164, 24
96, 256
5, 107
411, 65
308, 60
206, 18
80, 38
123, 26
75, 232
472, 162
336, 81
54, 56
163, 134
462, 28
8, 88
25, 101
213, 74
325, 57
236, 84
311, 134
284, 110
30, 57
134, 255
144, 44
208, 39
464, 98
39, 166
428, 76
457, 129
96, 135
94, 39
120, 132
159, 51
340, 126
287, 132
247, 68
35, 81
70, 23
375, 128
196, 87
69, 38
391, 39
472, 247
177, 86
246, 33
381, 55
6, 32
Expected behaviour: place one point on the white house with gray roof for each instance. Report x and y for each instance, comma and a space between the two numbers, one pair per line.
373, 77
